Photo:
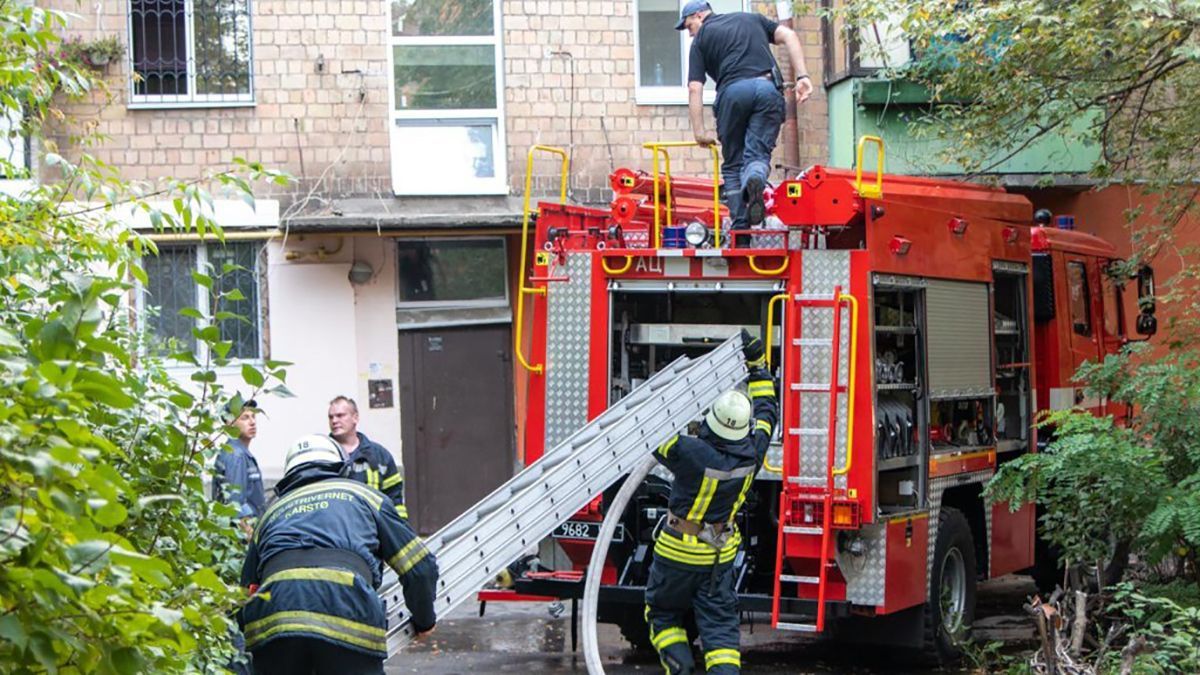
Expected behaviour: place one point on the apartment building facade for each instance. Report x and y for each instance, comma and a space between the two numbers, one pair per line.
388, 270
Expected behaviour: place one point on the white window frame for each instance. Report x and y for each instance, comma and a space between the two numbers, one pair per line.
454, 304
496, 185
675, 94
192, 99
203, 297
20, 155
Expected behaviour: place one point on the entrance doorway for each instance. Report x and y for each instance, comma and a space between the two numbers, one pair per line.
456, 416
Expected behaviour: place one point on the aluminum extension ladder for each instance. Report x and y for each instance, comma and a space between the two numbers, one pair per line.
519, 514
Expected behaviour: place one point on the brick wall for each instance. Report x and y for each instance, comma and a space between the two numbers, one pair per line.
609, 125
330, 128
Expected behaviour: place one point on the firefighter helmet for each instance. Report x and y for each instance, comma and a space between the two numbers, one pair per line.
312, 449
729, 416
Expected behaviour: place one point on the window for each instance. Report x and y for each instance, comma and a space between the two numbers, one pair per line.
661, 51
446, 130
1080, 298
171, 289
452, 272
1114, 326
190, 52
14, 146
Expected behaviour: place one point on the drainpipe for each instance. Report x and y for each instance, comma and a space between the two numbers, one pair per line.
789, 136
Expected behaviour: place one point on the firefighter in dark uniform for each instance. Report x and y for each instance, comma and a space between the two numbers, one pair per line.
315, 559
695, 548
370, 462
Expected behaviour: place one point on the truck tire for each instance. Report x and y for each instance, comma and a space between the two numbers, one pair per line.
951, 607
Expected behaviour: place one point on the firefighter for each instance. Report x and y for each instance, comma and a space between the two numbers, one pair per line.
695, 547
370, 462
315, 560
734, 50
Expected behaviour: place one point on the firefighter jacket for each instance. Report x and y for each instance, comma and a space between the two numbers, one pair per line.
712, 478
316, 556
372, 464
237, 480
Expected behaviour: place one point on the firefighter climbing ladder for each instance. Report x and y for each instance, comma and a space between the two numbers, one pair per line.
528, 508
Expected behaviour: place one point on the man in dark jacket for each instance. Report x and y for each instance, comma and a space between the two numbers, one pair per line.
236, 478
370, 462
734, 50
694, 551
315, 560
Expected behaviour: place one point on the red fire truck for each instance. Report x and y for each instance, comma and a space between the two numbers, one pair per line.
915, 327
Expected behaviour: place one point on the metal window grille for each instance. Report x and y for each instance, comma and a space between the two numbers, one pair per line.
171, 289
186, 52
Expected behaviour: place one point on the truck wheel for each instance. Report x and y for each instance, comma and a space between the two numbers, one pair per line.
951, 607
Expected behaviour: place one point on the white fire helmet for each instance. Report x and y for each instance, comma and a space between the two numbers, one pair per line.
312, 449
729, 416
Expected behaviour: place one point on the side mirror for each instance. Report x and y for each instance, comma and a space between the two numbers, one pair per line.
1146, 323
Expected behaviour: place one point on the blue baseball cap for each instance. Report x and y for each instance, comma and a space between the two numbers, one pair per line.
690, 9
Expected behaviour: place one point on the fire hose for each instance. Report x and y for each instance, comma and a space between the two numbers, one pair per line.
591, 587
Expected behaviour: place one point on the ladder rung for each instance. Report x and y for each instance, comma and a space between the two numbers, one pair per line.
813, 342
798, 627
796, 529
808, 431
800, 580
806, 480
810, 386
814, 297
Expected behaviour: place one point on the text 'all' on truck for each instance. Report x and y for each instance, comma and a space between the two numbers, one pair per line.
914, 326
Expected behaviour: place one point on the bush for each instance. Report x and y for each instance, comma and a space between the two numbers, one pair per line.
111, 558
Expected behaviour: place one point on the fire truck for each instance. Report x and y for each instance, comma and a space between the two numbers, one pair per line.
915, 327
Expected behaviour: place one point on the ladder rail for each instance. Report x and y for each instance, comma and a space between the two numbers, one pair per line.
514, 517
831, 458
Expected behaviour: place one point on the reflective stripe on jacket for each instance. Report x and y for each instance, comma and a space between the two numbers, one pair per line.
373, 465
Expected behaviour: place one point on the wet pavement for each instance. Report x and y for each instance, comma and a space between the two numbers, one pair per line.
524, 638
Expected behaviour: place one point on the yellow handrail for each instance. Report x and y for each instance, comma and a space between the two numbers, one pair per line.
523, 290
621, 270
662, 146
768, 273
869, 191
850, 388
767, 343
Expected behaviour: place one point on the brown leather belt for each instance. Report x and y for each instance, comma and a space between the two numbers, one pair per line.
685, 526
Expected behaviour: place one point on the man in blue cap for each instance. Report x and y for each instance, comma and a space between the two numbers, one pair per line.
734, 50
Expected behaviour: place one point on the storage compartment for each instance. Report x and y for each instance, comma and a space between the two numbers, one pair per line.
1011, 339
899, 367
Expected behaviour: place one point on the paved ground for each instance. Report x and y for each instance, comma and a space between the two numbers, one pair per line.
524, 638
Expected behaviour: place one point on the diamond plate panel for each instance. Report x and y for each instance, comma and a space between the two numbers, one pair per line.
866, 576
937, 487
568, 316
822, 271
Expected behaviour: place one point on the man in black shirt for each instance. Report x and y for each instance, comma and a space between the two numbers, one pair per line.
734, 49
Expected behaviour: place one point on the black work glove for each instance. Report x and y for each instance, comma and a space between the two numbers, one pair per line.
752, 349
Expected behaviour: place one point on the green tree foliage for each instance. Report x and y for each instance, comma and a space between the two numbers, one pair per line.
1099, 482
1122, 74
111, 558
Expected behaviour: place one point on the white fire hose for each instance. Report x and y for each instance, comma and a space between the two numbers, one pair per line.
591, 587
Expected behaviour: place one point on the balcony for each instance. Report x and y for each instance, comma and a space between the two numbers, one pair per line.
863, 100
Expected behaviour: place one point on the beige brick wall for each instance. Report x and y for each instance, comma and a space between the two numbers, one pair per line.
609, 125
314, 125
330, 129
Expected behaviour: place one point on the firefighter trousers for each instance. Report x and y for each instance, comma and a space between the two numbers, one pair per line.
670, 593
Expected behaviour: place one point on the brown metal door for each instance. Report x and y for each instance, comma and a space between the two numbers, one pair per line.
456, 417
